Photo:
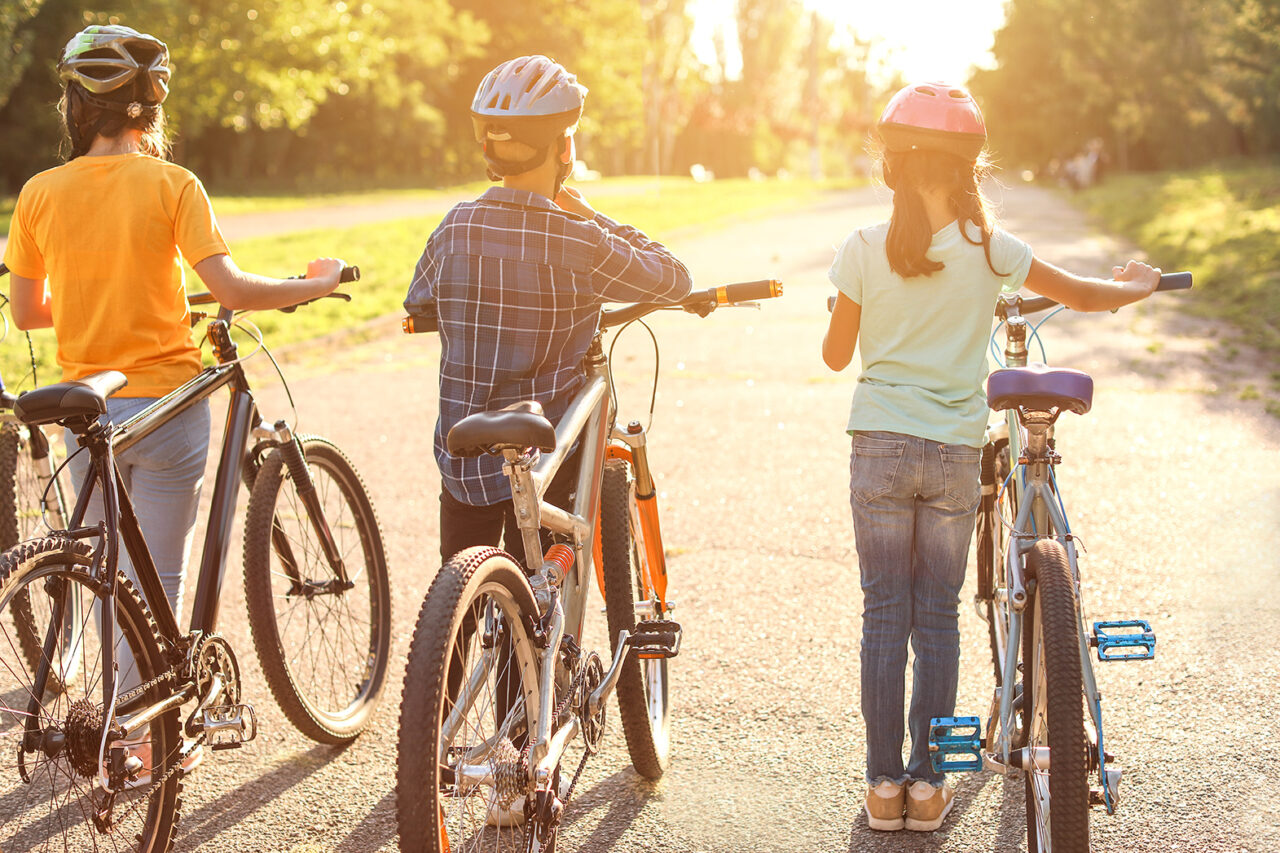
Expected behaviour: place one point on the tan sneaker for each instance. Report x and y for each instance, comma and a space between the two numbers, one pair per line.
884, 806
927, 806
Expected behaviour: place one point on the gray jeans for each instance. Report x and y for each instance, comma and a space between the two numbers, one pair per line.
163, 475
914, 503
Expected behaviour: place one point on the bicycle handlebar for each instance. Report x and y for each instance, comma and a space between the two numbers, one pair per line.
701, 302
347, 275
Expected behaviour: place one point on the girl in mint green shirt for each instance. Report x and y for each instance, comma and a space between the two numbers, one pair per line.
916, 296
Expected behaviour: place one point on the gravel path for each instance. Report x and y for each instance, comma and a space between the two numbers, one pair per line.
1171, 480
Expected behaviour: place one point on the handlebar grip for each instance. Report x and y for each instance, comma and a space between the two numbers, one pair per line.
748, 291
348, 274
1175, 281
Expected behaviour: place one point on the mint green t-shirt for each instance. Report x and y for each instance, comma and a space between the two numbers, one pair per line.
923, 340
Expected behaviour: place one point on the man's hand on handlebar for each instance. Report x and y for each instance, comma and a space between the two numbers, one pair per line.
1137, 278
327, 270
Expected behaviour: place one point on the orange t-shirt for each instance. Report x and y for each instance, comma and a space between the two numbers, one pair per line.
107, 232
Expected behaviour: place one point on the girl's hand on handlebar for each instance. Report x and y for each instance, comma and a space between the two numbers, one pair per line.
571, 200
1138, 278
326, 271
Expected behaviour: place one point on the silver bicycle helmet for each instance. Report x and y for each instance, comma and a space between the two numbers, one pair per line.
530, 99
118, 65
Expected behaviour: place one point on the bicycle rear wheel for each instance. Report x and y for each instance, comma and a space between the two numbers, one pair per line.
1054, 707
642, 686
22, 493
324, 647
469, 709
49, 740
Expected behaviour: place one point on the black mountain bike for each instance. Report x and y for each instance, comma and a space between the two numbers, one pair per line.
93, 734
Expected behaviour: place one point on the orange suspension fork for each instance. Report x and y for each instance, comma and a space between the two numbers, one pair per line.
654, 580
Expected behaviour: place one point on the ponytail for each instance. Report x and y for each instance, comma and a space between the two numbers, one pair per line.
910, 233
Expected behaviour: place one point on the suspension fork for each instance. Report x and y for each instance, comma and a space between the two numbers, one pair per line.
291, 449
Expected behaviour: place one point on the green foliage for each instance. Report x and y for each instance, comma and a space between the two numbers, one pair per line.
1162, 82
15, 57
1222, 224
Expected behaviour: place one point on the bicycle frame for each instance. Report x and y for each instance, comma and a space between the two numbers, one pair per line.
563, 599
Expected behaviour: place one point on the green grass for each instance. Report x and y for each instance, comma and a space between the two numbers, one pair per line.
668, 209
1223, 224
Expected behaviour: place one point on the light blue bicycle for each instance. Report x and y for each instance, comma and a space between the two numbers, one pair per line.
1029, 595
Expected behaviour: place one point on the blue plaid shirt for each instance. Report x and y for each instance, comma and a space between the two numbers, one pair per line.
518, 284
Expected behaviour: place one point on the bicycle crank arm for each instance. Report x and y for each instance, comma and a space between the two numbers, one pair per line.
601, 694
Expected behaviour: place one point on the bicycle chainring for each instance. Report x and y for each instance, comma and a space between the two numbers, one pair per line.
212, 656
593, 725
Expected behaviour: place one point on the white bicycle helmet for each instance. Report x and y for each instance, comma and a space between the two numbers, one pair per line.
530, 99
121, 68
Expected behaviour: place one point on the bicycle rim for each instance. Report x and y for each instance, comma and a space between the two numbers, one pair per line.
51, 809
324, 649
1057, 795
469, 710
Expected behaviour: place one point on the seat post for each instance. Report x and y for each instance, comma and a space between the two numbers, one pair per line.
524, 498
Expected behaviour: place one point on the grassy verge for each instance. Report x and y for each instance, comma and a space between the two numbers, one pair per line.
1222, 224
669, 209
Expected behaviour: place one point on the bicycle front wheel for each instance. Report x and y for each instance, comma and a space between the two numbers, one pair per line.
324, 645
642, 685
1057, 748
469, 710
50, 739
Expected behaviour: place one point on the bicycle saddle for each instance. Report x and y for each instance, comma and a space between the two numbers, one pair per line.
80, 398
1040, 388
516, 427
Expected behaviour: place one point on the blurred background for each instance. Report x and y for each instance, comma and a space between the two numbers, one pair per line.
290, 94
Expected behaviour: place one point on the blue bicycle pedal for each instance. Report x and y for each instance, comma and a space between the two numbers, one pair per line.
1132, 639
955, 744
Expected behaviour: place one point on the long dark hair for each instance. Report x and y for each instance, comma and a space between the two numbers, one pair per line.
907, 173
86, 117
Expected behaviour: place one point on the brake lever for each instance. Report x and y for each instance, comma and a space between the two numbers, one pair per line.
345, 297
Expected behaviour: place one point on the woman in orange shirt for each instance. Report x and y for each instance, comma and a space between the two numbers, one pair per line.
109, 230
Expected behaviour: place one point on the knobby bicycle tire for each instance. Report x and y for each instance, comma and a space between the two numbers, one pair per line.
20, 496
1054, 703
53, 810
324, 651
642, 688
479, 600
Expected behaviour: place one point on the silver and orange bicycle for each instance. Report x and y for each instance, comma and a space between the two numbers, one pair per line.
498, 684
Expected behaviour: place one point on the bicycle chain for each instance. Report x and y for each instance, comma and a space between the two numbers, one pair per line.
158, 784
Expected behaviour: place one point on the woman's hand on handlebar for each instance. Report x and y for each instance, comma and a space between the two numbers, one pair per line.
326, 272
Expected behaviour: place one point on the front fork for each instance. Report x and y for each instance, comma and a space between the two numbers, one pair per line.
290, 449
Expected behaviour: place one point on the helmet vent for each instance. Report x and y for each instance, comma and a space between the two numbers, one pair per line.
924, 90
956, 93
506, 102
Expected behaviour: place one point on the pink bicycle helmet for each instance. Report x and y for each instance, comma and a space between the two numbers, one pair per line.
934, 117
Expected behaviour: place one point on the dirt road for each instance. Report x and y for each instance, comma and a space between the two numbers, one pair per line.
1171, 481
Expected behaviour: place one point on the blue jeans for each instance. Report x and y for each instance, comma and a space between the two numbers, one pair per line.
914, 503
163, 474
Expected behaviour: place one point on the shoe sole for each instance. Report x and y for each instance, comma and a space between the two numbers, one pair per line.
883, 824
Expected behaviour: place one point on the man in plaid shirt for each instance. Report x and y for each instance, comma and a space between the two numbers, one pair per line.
518, 277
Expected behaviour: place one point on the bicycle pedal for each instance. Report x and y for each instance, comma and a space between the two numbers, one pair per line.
1130, 639
229, 726
955, 744
656, 638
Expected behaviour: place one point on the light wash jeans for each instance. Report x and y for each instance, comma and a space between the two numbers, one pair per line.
914, 503
163, 475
